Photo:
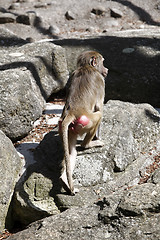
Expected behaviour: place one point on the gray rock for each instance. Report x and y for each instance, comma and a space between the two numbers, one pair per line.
140, 200
111, 23
54, 30
99, 10
24, 19
156, 176
32, 17
32, 200
21, 102
133, 214
37, 188
14, 6
116, 13
3, 10
105, 221
130, 129
7, 18
130, 133
11, 165
69, 15
29, 75
40, 5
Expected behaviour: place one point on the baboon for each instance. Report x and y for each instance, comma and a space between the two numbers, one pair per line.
83, 111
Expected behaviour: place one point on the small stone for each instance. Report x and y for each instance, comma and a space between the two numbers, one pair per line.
128, 50
158, 6
15, 54
98, 11
90, 29
41, 5
69, 15
32, 17
6, 18
24, 19
3, 10
112, 22
14, 6
54, 30
116, 13
29, 39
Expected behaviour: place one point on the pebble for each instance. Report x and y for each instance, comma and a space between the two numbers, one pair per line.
54, 30
99, 11
24, 19
3, 10
7, 18
69, 15
90, 29
41, 5
116, 13
158, 6
128, 50
14, 6
32, 17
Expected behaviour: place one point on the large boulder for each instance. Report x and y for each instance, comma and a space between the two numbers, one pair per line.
29, 75
132, 214
35, 192
11, 165
132, 57
131, 136
32, 201
21, 102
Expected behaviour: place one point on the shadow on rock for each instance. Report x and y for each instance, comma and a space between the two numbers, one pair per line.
34, 196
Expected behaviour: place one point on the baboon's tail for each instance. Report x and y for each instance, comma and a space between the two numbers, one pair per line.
65, 124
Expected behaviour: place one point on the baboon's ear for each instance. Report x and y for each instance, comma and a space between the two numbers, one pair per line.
93, 61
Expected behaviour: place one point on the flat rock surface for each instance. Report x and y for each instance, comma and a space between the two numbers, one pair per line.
70, 19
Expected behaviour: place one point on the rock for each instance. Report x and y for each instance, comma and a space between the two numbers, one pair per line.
128, 50
156, 176
112, 218
116, 13
112, 23
11, 165
14, 6
24, 104
40, 5
7, 18
65, 226
32, 17
9, 39
91, 29
132, 77
99, 11
24, 19
37, 188
140, 200
32, 200
3, 10
132, 213
54, 30
69, 15
129, 130
37, 70
158, 6
131, 137
29, 40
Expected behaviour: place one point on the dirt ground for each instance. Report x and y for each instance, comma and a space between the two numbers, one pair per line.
78, 19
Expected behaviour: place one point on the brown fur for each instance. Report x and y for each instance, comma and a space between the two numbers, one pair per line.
86, 96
